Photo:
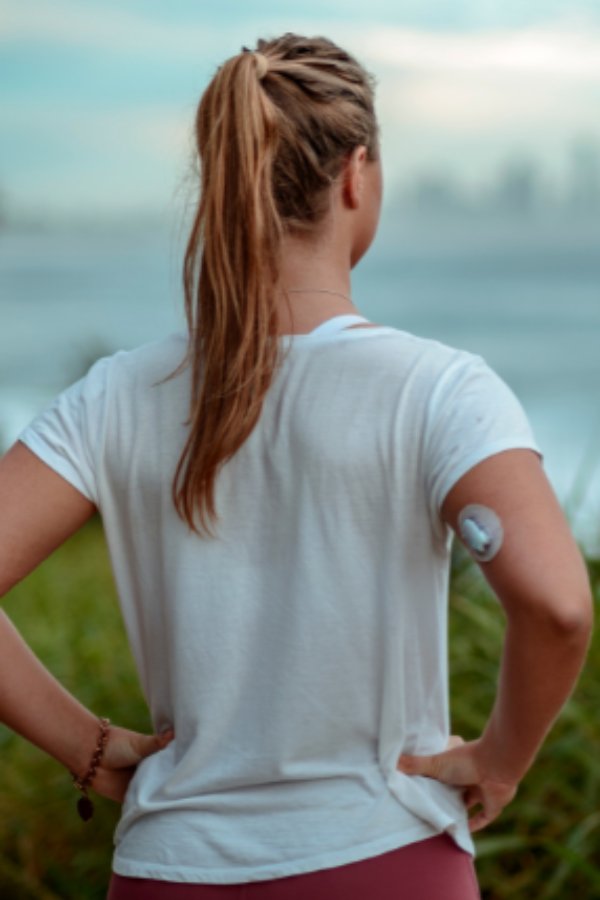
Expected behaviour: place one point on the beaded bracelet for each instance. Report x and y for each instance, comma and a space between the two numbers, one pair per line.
85, 807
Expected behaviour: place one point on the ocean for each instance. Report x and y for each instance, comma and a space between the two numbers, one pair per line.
524, 295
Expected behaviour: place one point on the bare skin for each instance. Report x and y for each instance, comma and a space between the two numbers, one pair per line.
538, 575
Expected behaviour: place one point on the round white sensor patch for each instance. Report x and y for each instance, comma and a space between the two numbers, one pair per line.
481, 531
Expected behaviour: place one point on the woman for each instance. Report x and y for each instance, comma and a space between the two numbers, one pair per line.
278, 488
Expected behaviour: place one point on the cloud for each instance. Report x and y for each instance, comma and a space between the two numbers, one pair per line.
463, 97
536, 51
150, 131
74, 24
569, 46
65, 23
466, 101
124, 159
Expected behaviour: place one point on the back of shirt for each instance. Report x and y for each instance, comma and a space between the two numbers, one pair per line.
299, 652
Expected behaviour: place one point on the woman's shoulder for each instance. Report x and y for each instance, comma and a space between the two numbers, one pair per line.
168, 350
151, 361
431, 355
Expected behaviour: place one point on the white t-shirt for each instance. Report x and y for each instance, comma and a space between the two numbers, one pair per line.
302, 650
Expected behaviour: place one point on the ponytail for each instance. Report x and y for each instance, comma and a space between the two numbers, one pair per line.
272, 131
230, 306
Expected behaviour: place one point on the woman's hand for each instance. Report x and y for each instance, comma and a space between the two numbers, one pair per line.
124, 751
463, 765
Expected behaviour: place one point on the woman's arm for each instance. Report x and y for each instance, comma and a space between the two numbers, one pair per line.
39, 510
541, 581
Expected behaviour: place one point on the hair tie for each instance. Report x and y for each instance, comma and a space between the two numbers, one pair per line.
262, 64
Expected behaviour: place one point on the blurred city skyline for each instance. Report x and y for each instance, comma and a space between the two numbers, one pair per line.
518, 188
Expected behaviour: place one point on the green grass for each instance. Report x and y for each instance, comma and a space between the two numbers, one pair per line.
545, 845
67, 611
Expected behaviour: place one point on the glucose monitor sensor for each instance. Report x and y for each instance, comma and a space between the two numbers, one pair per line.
481, 530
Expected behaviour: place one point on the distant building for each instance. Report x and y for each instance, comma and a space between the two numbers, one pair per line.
583, 191
435, 193
517, 190
3, 212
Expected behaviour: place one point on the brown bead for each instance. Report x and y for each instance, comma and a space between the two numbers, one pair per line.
85, 808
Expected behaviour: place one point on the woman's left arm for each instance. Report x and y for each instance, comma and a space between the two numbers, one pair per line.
540, 578
39, 510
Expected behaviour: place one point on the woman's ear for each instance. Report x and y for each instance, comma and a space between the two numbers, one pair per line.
353, 177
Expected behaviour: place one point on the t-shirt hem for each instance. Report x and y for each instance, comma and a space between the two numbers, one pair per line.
190, 874
479, 455
34, 442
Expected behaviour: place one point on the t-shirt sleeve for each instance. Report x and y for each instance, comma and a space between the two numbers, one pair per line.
472, 414
68, 434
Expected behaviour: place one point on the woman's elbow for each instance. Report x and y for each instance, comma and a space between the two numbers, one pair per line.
576, 618
570, 619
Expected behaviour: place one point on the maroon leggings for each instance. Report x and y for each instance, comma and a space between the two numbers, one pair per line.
433, 869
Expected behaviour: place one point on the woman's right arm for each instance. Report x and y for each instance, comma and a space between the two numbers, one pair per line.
541, 581
39, 510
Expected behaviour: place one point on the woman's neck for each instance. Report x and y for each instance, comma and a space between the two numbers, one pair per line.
315, 279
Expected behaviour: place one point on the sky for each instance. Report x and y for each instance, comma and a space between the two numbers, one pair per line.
97, 97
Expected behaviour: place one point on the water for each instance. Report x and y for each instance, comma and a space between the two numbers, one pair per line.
528, 300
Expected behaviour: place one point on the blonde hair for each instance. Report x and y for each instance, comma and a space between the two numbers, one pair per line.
272, 131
